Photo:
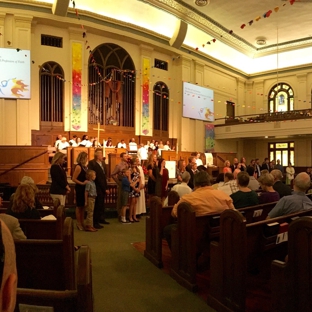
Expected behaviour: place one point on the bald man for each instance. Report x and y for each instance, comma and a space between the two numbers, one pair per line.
8, 271
297, 201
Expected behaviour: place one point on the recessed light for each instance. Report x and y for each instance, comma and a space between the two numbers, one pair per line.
261, 41
202, 3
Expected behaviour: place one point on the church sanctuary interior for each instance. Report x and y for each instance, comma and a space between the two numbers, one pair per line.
223, 79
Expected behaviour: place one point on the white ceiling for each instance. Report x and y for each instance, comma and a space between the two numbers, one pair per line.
289, 23
288, 32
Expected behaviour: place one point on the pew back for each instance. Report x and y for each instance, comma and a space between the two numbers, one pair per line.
80, 299
291, 281
242, 249
44, 229
47, 264
155, 223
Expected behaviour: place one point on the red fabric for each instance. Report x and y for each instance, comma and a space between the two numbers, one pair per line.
165, 178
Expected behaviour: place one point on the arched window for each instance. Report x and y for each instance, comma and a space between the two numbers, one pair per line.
111, 86
51, 77
161, 106
281, 98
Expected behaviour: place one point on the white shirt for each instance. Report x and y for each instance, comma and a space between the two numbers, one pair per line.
121, 145
73, 143
57, 143
133, 146
142, 153
181, 189
199, 162
167, 148
88, 143
62, 145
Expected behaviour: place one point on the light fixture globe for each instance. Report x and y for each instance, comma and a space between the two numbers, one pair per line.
201, 3
261, 41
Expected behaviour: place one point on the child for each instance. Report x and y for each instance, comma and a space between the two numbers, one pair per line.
90, 195
134, 191
125, 189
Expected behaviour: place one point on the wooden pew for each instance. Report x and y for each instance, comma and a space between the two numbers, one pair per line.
155, 223
161, 217
257, 212
190, 239
80, 299
242, 249
44, 229
291, 282
47, 264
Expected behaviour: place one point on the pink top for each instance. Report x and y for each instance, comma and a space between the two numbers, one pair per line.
227, 169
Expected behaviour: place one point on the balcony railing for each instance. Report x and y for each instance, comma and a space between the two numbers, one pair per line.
267, 117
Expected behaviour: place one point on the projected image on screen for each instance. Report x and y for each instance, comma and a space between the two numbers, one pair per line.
14, 74
197, 102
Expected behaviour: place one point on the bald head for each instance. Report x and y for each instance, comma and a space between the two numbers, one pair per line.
302, 182
9, 273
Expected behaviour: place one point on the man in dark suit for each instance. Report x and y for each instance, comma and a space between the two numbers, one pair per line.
266, 164
281, 188
235, 164
191, 168
98, 165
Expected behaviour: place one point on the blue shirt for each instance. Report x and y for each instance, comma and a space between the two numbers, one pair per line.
91, 189
290, 204
125, 184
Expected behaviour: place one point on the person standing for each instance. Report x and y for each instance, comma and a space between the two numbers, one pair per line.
90, 196
134, 192
117, 176
59, 186
290, 173
79, 177
98, 165
141, 206
162, 180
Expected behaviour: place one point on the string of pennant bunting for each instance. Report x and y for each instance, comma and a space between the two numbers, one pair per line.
132, 75
266, 14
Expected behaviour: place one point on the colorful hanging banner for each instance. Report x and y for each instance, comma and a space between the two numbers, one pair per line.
76, 85
145, 96
209, 137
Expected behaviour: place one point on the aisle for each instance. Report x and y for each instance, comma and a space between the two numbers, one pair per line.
123, 280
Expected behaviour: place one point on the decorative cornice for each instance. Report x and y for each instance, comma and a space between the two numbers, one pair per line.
189, 14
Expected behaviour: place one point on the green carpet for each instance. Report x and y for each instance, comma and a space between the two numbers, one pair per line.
123, 280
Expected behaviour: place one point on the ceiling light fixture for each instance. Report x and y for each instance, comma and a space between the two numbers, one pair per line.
202, 3
261, 41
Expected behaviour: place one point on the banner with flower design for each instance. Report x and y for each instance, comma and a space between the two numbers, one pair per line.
145, 96
209, 138
76, 85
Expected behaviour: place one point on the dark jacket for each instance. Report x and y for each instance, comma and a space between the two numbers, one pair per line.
59, 180
282, 189
100, 181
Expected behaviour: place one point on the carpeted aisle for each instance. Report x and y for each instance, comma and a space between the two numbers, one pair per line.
123, 280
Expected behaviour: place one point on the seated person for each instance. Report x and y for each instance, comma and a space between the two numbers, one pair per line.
24, 203
281, 188
229, 186
244, 197
253, 183
8, 272
31, 182
297, 201
12, 224
268, 195
62, 145
122, 144
204, 200
181, 188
